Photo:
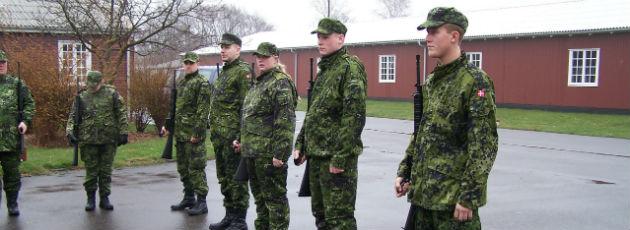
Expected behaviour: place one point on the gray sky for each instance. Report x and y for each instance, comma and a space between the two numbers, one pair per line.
288, 14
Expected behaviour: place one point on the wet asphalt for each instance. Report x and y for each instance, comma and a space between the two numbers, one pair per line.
539, 181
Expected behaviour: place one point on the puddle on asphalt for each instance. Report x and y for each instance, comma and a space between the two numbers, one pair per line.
601, 182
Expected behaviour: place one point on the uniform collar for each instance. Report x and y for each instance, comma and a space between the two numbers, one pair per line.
192, 74
331, 58
267, 73
450, 67
232, 63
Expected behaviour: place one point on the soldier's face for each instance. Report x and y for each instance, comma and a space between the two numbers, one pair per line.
3, 67
230, 52
329, 43
440, 41
190, 67
265, 62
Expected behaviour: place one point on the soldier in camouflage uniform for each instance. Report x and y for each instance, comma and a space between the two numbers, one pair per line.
267, 126
331, 134
449, 159
225, 113
191, 121
9, 153
103, 127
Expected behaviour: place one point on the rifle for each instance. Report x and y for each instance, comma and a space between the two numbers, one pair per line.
167, 153
20, 117
242, 174
417, 117
77, 122
305, 187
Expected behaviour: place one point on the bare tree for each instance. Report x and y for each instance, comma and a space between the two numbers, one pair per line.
332, 9
393, 8
203, 28
108, 29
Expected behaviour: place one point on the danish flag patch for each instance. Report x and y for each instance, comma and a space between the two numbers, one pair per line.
481, 93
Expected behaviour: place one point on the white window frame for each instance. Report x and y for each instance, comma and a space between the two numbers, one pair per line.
385, 78
469, 56
582, 82
75, 53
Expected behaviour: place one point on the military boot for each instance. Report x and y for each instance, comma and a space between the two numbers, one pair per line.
187, 202
224, 223
238, 223
91, 201
104, 203
200, 207
12, 205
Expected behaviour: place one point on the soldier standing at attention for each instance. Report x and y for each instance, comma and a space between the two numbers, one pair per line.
9, 129
450, 158
225, 119
331, 133
267, 127
103, 127
191, 120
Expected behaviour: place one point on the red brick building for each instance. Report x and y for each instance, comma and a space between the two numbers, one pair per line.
566, 55
24, 37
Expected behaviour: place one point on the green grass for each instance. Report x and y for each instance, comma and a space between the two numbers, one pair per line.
587, 124
146, 152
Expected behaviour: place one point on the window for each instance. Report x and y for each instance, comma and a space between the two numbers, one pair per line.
474, 58
74, 59
583, 67
387, 69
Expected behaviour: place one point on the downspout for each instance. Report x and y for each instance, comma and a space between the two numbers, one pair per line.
295, 67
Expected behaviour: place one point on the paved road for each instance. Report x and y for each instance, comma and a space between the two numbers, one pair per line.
539, 181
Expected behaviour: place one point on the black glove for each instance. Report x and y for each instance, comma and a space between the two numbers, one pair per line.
122, 139
72, 139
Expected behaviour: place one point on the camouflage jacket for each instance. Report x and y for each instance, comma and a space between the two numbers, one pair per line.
227, 99
103, 116
453, 152
9, 113
336, 116
192, 107
268, 120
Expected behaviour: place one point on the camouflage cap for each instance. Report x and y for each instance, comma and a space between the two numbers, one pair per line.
191, 56
441, 15
266, 49
329, 26
228, 39
94, 76
3, 56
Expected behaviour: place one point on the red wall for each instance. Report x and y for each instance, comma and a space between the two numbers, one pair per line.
525, 71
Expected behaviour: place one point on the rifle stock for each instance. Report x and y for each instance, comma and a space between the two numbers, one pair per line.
417, 117
20, 117
167, 153
77, 123
305, 187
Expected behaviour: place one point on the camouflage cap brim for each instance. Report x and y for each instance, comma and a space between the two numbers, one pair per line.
430, 24
265, 54
321, 31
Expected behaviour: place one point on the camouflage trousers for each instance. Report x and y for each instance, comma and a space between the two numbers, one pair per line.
98, 161
191, 166
333, 196
269, 186
426, 219
235, 193
10, 162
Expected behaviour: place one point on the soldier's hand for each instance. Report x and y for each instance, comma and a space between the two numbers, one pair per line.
401, 187
237, 146
123, 139
163, 131
462, 213
335, 170
195, 140
297, 158
22, 128
277, 163
72, 139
